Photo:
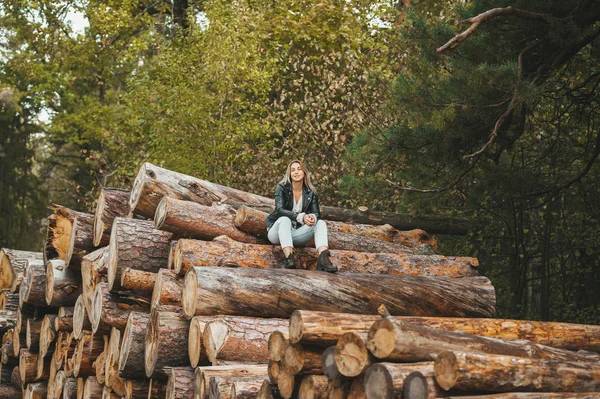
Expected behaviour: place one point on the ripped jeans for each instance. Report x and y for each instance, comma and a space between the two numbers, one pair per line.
283, 233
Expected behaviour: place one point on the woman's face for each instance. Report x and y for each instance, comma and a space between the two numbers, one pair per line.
297, 174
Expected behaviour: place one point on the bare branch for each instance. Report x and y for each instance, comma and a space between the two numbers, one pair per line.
486, 16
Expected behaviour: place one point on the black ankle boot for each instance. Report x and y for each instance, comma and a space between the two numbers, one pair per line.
289, 262
324, 263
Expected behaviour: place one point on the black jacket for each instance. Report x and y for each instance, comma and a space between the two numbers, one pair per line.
284, 202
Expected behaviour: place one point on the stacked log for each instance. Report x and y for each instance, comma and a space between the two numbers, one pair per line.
194, 304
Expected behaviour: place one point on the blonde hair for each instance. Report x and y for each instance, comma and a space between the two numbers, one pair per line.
287, 179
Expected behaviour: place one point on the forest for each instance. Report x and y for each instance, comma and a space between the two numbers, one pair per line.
487, 110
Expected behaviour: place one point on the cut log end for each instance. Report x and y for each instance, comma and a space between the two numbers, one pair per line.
176, 255
240, 216
351, 355
415, 386
379, 383
285, 384
382, 338
161, 213
277, 345
111, 267
195, 342
98, 223
296, 327
214, 337
190, 293
150, 346
446, 365
50, 281
79, 317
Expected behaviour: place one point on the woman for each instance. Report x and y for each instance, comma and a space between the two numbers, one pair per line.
296, 217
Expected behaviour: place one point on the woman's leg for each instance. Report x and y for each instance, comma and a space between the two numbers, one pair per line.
281, 233
303, 234
321, 241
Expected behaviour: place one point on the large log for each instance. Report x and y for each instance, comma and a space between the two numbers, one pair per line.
58, 235
532, 395
34, 288
63, 286
302, 360
323, 328
89, 347
9, 301
224, 386
167, 291
108, 309
203, 375
165, 343
386, 380
496, 373
180, 383
192, 220
226, 252
153, 183
12, 267
131, 357
28, 362
401, 341
252, 221
112, 203
330, 369
237, 338
32, 334
278, 343
277, 293
93, 271
313, 387
138, 245
81, 240
111, 364
64, 319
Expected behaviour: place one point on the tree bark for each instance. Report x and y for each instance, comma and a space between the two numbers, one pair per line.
63, 286
252, 221
222, 387
32, 334
165, 343
386, 380
277, 293
12, 267
28, 362
138, 280
108, 309
167, 291
153, 183
43, 368
203, 375
58, 235
339, 389
401, 341
15, 378
94, 268
236, 338
498, 373
351, 354
81, 240
187, 219
157, 389
89, 347
92, 388
9, 301
36, 390
302, 360
138, 245
226, 252
314, 387
131, 357
323, 329
7, 320
112, 203
8, 354
532, 395
137, 389
10, 392
180, 383
70, 388
246, 388
64, 319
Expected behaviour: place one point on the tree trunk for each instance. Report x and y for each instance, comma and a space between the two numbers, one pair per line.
313, 387
203, 375
323, 328
89, 347
302, 360
386, 380
330, 368
131, 357
81, 240
9, 301
12, 267
434, 224
138, 245
191, 220
63, 286
235, 338
252, 221
100, 362
226, 252
165, 343
94, 268
35, 285
138, 280
351, 354
401, 341
58, 235
153, 183
180, 383
43, 368
497, 373
108, 309
32, 334
47, 333
27, 366
112, 203
277, 293
167, 291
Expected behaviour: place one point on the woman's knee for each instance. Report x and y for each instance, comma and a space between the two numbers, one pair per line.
284, 221
321, 225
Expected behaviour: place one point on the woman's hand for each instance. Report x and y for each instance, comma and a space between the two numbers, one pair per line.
309, 220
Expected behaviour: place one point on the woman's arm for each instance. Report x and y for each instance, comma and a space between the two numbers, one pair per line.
314, 207
279, 208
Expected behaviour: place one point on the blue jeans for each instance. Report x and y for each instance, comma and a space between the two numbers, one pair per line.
283, 233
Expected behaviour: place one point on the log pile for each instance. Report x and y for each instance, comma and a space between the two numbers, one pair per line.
193, 304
